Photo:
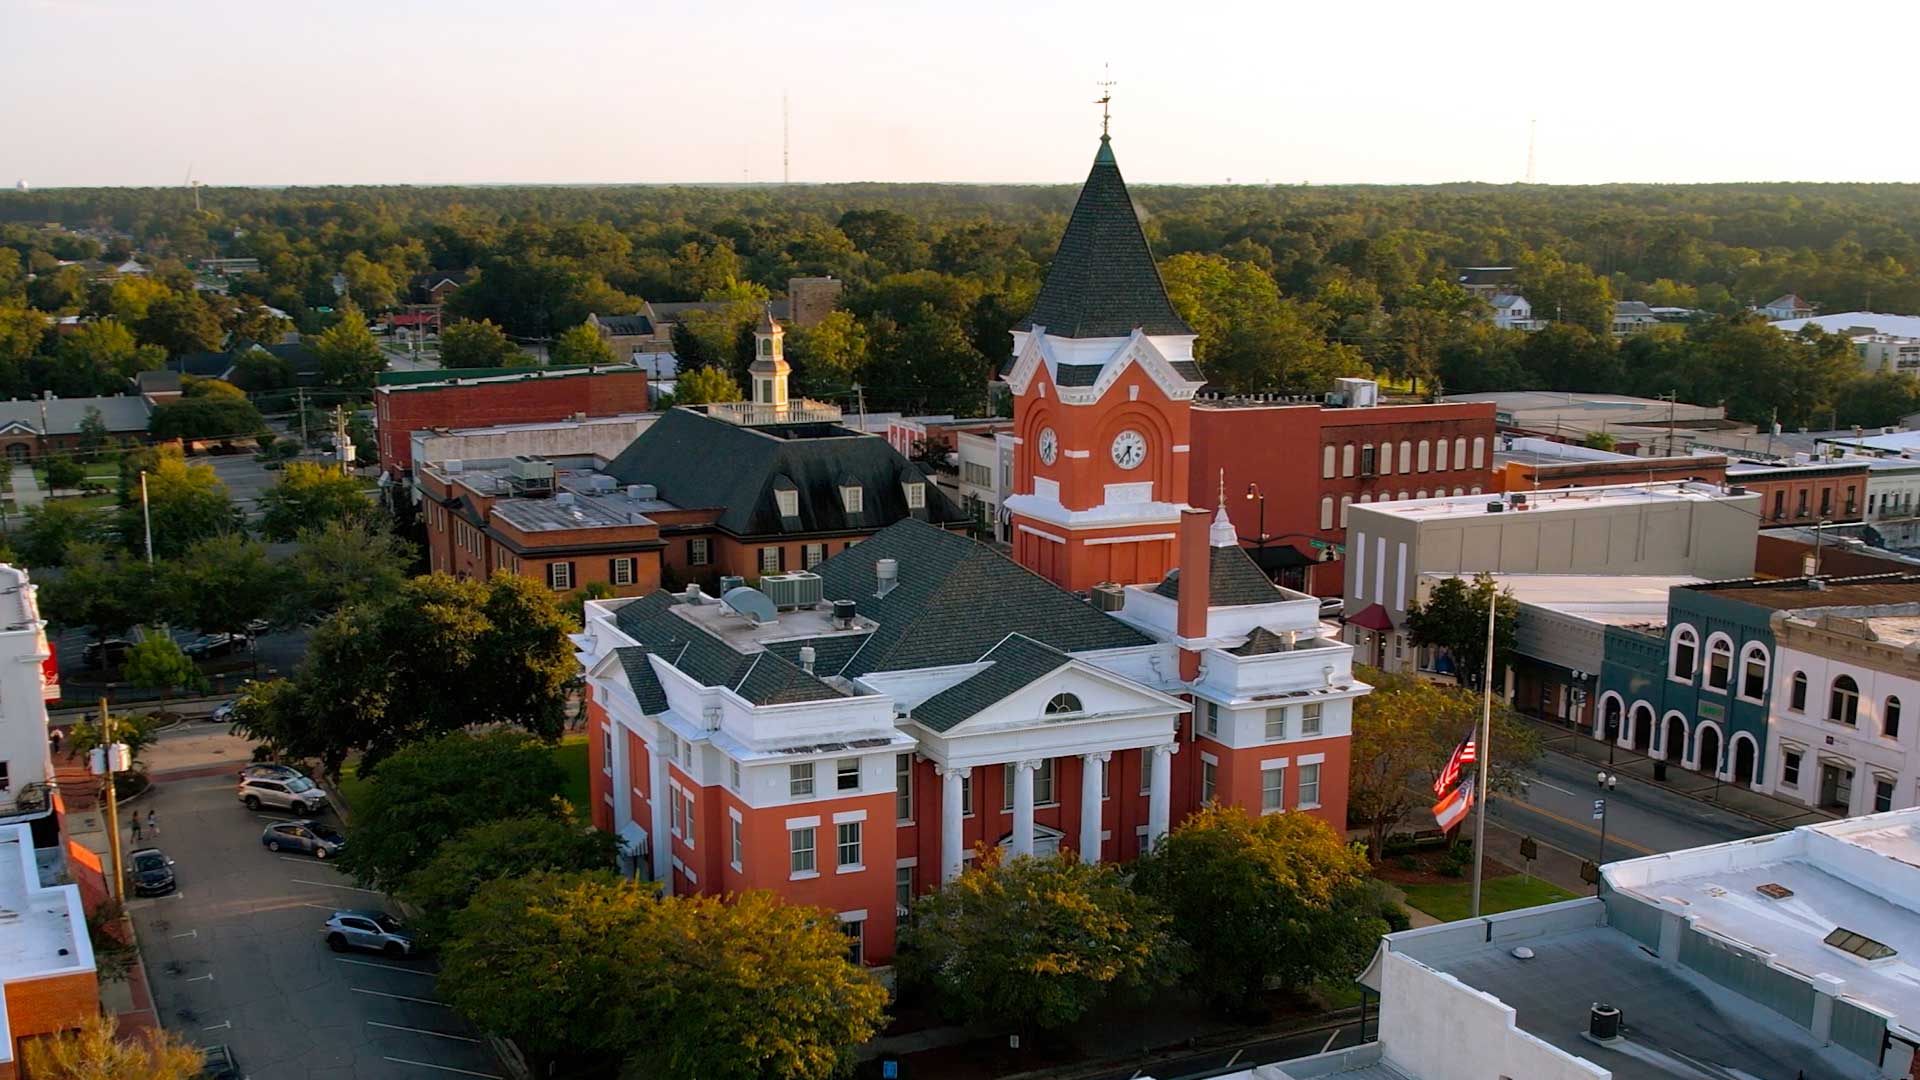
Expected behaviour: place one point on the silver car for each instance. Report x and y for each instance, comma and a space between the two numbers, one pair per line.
376, 931
298, 794
312, 837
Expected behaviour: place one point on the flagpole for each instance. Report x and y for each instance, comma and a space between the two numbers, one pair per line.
1484, 751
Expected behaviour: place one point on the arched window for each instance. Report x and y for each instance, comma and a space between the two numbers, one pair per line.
1326, 511
1364, 498
1843, 701
1346, 460
1474, 490
1422, 493
1797, 694
1326, 462
1063, 703
1406, 455
1424, 452
1719, 662
1479, 451
1440, 455
1753, 673
1686, 649
1384, 462
1890, 719
1460, 452
1345, 501
1459, 491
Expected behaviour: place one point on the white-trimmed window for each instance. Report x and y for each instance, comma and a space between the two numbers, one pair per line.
1106, 778
675, 811
1277, 722
699, 551
1345, 502
1889, 719
1209, 778
966, 795
853, 499
1790, 768
1042, 784
1843, 701
1460, 452
1309, 786
1210, 717
800, 849
846, 774
623, 571
1406, 455
1719, 662
1797, 692
1686, 651
1326, 511
903, 888
916, 496
856, 933
1310, 712
770, 559
1753, 672
1479, 451
1346, 460
1440, 456
735, 848
1326, 462
1146, 772
812, 555
800, 780
687, 815
903, 788
1425, 455
788, 501
1273, 789
733, 775
847, 851
560, 576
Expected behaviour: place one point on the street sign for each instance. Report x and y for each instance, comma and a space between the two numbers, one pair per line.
1529, 849
1322, 545
1599, 809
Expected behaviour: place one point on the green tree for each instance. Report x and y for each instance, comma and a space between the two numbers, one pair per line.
1296, 893
704, 385
348, 353
96, 359
1566, 292
64, 473
1454, 618
1250, 338
94, 435
96, 591
477, 343
205, 417
158, 663
187, 503
500, 849
340, 562
1598, 440
21, 329
51, 530
370, 285
219, 584
96, 1051
180, 323
308, 496
138, 731
1041, 940
257, 325
1568, 356
129, 298
429, 792
255, 370
580, 345
829, 356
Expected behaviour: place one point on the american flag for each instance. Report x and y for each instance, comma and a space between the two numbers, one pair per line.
1452, 810
1449, 776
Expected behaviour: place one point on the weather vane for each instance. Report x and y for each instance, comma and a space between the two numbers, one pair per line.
1106, 98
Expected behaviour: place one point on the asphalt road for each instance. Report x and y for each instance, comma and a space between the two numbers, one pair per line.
1642, 819
236, 957
245, 478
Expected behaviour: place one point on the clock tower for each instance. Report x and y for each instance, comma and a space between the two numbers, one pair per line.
1103, 380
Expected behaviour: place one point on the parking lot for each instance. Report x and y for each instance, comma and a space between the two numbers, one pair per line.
236, 956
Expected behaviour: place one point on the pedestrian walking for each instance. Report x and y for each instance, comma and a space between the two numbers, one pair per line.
153, 826
54, 737
136, 828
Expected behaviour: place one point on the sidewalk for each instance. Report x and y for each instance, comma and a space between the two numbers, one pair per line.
1735, 798
26, 489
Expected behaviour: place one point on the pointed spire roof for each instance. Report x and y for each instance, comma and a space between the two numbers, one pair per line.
767, 324
1103, 281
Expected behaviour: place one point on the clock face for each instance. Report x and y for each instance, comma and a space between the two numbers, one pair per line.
1129, 449
1049, 446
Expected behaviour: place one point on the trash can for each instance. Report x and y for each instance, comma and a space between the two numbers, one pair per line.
1659, 770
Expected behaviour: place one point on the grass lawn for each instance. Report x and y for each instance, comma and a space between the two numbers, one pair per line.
1453, 901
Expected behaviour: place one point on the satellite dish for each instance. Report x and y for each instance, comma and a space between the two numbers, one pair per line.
752, 603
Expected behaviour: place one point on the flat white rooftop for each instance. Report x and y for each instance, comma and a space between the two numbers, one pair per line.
1546, 502
1843, 321
1620, 601
42, 930
1861, 875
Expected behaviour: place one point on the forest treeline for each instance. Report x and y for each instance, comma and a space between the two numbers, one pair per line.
1289, 287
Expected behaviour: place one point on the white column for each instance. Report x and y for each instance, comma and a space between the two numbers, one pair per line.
1022, 841
1160, 798
658, 838
622, 776
951, 813
1090, 765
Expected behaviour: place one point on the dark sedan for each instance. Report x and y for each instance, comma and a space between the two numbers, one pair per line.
151, 871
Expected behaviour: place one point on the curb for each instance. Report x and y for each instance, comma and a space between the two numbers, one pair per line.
1167, 1055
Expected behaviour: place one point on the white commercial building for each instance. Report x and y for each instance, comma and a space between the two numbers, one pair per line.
986, 477
29, 678
1844, 719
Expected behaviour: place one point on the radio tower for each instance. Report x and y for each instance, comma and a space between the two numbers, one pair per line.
786, 141
1530, 126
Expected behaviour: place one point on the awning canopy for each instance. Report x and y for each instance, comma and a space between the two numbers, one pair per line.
1372, 617
1277, 557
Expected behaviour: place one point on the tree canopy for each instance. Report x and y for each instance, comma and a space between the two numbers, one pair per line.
510, 848
96, 1051
1454, 618
310, 495
477, 343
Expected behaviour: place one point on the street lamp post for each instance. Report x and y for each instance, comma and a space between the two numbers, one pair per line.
1260, 544
1606, 782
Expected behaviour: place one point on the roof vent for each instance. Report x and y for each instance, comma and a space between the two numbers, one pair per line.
455, 465
843, 614
1859, 945
886, 573
1496, 507
565, 498
751, 603
1773, 891
693, 595
1603, 1023
1521, 952
644, 491
806, 658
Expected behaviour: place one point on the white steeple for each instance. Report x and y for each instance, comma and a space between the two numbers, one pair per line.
1222, 533
769, 370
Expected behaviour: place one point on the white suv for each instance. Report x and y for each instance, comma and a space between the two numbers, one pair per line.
296, 793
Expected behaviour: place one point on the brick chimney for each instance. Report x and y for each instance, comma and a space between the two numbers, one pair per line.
1195, 573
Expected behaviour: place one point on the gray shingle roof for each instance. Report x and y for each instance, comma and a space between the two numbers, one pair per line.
63, 416
955, 600
1077, 374
1260, 643
763, 678
1015, 663
1103, 281
625, 325
678, 455
640, 677
1232, 580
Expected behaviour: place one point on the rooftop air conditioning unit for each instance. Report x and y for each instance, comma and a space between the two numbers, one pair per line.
644, 491
1108, 596
798, 589
730, 582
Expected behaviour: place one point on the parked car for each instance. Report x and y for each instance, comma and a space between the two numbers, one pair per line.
267, 770
1332, 607
373, 930
151, 871
108, 653
222, 713
299, 794
220, 1063
313, 837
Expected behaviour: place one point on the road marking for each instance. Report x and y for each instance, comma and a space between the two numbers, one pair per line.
319, 907
189, 933
1235, 1057
228, 1026
1581, 825
422, 1031
331, 885
289, 858
399, 997
1331, 1035
442, 1068
208, 977
384, 967
1549, 787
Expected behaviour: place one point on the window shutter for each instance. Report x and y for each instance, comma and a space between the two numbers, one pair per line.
573, 576
613, 578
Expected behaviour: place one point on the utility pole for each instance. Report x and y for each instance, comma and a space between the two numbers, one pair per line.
108, 753
1606, 782
300, 406
860, 399
1483, 751
146, 515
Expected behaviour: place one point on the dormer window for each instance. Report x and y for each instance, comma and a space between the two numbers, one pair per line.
789, 503
916, 495
852, 498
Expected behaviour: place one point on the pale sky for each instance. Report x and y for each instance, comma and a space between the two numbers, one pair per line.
572, 91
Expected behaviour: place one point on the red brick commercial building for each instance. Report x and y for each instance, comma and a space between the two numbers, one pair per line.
1548, 476
408, 401
1804, 493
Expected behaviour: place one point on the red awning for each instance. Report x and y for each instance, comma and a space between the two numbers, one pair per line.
1372, 617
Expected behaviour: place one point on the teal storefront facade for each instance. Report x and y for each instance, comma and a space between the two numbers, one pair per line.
1695, 692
